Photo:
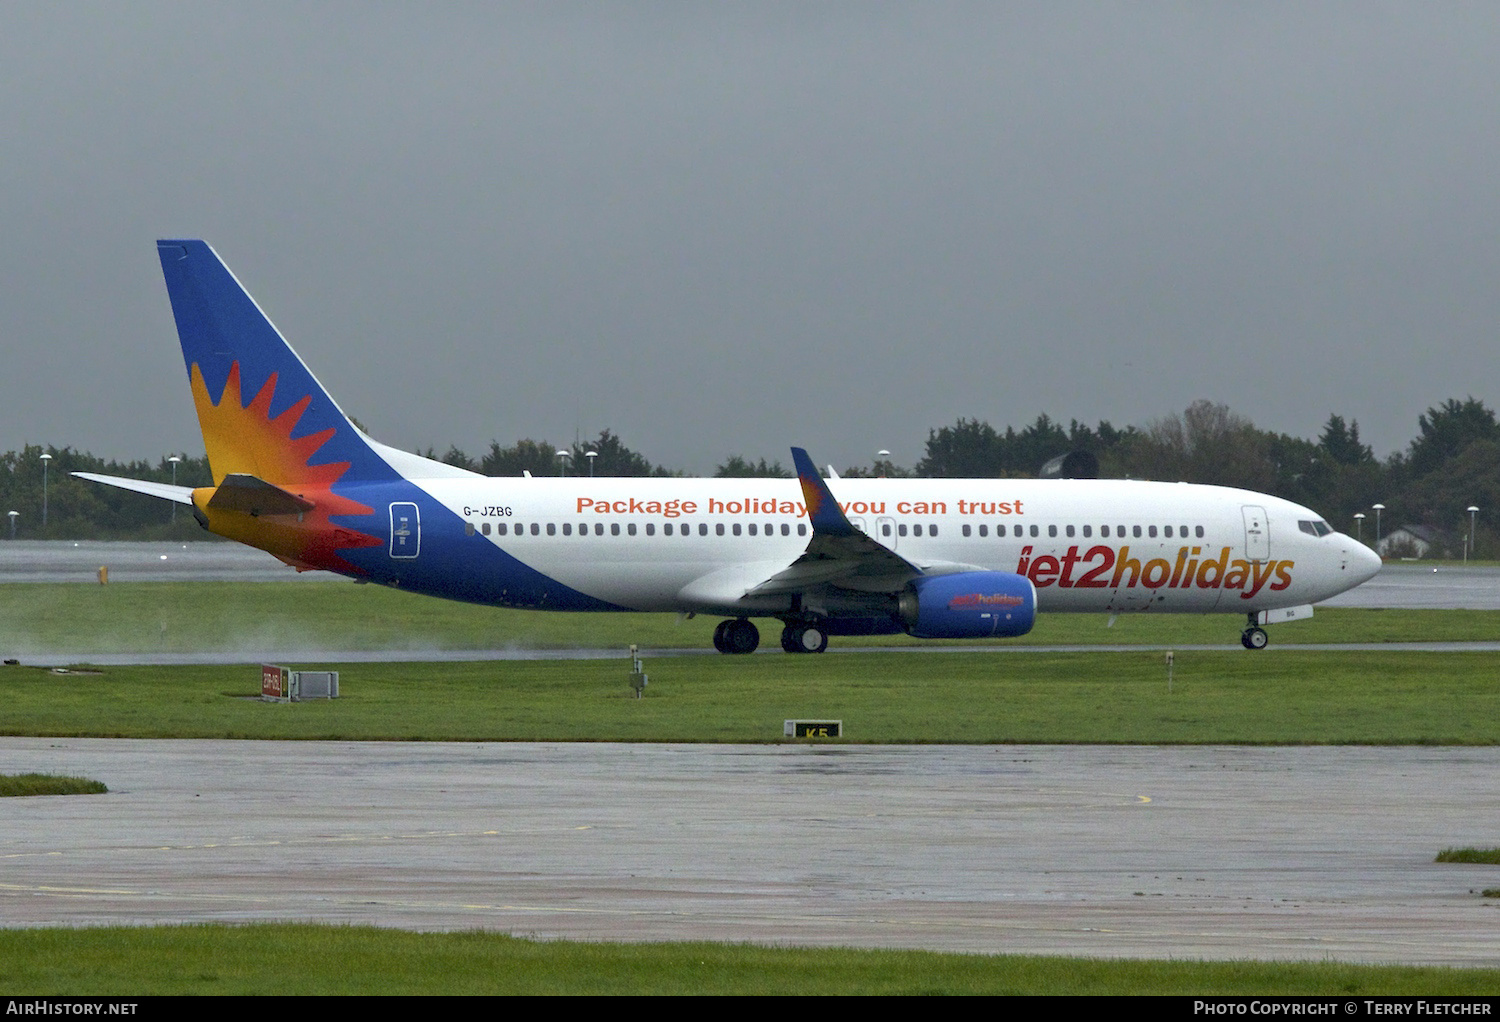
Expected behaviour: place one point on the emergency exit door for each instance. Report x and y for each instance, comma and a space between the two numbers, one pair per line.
406, 530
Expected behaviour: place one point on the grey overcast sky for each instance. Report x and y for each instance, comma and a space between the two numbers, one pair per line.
726, 228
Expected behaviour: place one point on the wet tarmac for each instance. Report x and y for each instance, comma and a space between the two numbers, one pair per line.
1185, 852
80, 561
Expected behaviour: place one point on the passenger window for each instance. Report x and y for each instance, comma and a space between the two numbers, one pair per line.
770, 529
802, 528
1104, 531
468, 528
650, 528
630, 528
598, 528
1035, 532
567, 528
614, 528
1088, 530
1167, 531
703, 528
932, 530
1052, 531
1151, 531
536, 530
786, 530
752, 528
736, 528
1198, 532
1069, 531
984, 530
1135, 531
916, 530
719, 528
666, 530
966, 532
901, 529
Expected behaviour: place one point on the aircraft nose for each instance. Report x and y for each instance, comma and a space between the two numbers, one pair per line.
1364, 563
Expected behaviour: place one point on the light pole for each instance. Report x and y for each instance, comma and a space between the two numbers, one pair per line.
13, 516
45, 459
174, 459
1472, 512
562, 463
1359, 526
591, 455
1377, 508
883, 466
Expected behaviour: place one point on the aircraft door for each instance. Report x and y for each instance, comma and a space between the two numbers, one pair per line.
1257, 534
406, 530
885, 532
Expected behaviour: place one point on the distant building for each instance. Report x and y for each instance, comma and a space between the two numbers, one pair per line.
1414, 541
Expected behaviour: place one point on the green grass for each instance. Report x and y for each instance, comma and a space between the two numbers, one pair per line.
147, 617
1486, 856
1306, 697
312, 959
48, 784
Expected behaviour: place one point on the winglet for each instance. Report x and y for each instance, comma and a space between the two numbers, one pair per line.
822, 510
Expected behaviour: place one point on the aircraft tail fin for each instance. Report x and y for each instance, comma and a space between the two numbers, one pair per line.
262, 412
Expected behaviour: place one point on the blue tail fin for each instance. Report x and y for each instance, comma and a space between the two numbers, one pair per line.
262, 412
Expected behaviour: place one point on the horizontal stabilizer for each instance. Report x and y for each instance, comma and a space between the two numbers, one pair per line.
166, 491
255, 496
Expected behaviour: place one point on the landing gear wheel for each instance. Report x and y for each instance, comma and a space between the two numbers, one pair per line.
804, 639
1255, 638
736, 636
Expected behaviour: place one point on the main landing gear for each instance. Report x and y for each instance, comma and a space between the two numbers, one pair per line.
737, 635
1254, 636
803, 638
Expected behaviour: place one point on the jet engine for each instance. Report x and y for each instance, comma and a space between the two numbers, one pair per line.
968, 605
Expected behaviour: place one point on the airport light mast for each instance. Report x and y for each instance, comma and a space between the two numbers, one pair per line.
1359, 526
174, 459
1472, 512
45, 459
1377, 508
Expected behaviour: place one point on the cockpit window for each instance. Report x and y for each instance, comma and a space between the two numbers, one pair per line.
1317, 528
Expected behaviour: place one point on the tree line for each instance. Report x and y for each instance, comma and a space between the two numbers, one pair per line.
1451, 464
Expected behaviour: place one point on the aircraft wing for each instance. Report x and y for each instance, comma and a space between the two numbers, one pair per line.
838, 554
166, 491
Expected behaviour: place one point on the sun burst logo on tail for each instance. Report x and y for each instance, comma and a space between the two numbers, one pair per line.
245, 439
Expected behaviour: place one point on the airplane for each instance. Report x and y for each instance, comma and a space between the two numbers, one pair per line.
935, 558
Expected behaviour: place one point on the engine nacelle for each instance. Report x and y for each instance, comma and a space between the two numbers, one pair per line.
968, 605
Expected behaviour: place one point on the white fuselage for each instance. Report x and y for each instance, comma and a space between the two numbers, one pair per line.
1086, 545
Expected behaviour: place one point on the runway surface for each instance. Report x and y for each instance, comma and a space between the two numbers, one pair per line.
80, 561
1286, 853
